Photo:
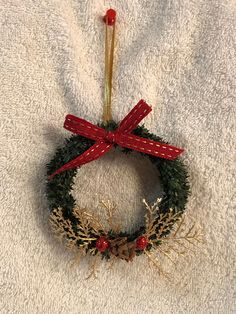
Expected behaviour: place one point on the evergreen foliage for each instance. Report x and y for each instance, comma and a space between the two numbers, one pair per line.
173, 175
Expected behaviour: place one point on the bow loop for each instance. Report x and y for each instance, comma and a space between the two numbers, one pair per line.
122, 136
83, 127
134, 117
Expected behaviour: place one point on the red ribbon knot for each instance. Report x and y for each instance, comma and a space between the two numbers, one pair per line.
110, 137
122, 136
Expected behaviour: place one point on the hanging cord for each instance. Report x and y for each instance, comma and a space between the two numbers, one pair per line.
109, 19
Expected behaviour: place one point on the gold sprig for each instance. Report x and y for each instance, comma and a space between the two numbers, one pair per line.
93, 269
88, 228
170, 235
158, 224
151, 211
150, 217
110, 209
62, 228
87, 223
183, 235
155, 262
165, 222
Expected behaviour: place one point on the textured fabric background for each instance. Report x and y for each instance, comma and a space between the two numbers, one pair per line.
180, 57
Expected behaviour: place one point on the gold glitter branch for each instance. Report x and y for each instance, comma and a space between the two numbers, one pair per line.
62, 228
184, 236
151, 215
156, 228
87, 225
110, 209
169, 235
155, 262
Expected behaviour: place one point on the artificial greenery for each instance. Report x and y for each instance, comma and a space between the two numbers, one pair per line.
173, 175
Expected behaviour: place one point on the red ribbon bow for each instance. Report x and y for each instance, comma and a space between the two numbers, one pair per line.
122, 136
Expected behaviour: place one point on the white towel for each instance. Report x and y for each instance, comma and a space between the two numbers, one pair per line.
177, 55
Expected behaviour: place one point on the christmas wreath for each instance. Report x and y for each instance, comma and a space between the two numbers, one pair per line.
82, 230
86, 232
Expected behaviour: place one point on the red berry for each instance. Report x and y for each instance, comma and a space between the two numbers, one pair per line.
141, 243
110, 17
102, 244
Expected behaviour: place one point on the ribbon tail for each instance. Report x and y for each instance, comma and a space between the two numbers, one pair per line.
93, 153
149, 147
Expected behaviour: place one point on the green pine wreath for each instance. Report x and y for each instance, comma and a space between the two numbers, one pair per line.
80, 230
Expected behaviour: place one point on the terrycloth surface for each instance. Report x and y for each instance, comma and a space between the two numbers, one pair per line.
177, 55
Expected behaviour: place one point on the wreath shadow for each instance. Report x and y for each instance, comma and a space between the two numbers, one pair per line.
54, 137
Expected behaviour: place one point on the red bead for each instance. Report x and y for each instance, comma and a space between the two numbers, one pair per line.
110, 17
102, 244
141, 243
